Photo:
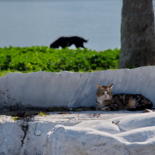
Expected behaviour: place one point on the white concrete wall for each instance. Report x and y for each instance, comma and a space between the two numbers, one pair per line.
67, 89
67, 135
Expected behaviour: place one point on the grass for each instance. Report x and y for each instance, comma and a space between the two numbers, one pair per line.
15, 118
42, 58
42, 114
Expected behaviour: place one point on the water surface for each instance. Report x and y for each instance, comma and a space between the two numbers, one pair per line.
29, 23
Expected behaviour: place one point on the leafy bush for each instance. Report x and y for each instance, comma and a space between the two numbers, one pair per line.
40, 58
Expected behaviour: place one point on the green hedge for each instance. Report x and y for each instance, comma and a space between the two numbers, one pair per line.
40, 58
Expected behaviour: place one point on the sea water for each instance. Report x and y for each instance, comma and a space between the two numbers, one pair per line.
32, 22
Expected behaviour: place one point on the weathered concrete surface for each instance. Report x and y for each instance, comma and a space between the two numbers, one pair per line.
84, 133
67, 89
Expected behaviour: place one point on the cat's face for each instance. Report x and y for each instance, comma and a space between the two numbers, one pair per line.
103, 94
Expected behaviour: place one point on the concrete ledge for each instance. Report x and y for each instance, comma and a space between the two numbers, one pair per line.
91, 133
71, 90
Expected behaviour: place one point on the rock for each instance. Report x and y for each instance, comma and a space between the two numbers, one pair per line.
81, 140
119, 133
71, 90
10, 136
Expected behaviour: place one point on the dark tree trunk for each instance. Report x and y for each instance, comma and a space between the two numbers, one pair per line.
137, 34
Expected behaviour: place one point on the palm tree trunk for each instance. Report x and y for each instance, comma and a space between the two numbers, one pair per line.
137, 34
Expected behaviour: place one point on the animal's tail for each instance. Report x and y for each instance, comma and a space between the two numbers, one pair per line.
84, 40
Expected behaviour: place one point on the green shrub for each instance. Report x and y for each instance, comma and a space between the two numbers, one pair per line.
40, 58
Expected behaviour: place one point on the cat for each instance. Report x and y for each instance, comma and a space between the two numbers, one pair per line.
107, 101
68, 41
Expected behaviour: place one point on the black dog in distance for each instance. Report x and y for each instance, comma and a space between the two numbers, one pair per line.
68, 41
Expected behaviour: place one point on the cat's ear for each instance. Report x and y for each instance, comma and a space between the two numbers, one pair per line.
98, 86
110, 86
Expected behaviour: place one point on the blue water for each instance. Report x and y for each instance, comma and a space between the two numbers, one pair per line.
39, 23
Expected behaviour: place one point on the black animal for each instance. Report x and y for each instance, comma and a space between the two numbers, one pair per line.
68, 41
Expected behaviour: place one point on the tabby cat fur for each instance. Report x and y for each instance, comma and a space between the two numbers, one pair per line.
107, 101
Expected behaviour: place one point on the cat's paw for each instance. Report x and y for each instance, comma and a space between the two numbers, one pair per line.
148, 110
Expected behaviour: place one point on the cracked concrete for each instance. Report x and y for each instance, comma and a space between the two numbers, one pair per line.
68, 90
74, 133
79, 133
25, 127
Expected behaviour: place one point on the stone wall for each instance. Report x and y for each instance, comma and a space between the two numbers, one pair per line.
67, 89
79, 134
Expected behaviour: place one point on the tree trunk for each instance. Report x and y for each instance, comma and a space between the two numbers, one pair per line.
137, 34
